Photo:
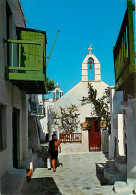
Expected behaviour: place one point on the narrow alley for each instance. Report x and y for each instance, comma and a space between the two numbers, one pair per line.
75, 96
75, 175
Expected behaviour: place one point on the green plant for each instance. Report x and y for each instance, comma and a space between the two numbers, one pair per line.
68, 119
50, 85
101, 105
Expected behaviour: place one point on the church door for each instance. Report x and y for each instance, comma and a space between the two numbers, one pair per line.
94, 134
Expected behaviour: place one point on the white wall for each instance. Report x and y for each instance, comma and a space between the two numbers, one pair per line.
131, 142
75, 95
123, 120
47, 121
40, 101
11, 96
77, 147
117, 124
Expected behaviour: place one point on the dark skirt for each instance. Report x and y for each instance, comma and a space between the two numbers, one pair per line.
54, 154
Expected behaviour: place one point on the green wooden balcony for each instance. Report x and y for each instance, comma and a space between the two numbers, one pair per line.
125, 54
27, 64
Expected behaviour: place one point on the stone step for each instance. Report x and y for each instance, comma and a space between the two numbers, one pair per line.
122, 188
111, 174
12, 181
25, 164
121, 164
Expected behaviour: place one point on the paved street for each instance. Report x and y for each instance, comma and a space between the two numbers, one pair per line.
77, 176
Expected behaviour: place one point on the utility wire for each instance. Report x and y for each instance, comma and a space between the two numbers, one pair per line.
52, 47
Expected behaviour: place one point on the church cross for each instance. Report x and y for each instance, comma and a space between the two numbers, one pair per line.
90, 49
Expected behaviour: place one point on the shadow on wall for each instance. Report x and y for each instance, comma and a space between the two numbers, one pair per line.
44, 185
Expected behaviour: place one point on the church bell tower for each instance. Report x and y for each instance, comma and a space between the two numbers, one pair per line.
91, 61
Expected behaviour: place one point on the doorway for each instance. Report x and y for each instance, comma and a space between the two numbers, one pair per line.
94, 134
16, 137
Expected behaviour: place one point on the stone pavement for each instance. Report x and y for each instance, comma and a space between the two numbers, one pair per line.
77, 176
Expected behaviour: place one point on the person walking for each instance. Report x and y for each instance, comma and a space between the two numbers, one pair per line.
54, 144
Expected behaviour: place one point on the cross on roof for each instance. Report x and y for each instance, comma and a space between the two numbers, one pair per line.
90, 49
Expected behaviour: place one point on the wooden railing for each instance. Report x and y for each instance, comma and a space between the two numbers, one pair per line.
124, 50
70, 137
121, 48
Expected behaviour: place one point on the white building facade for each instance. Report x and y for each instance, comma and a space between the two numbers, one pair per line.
76, 94
46, 123
13, 104
122, 140
18, 113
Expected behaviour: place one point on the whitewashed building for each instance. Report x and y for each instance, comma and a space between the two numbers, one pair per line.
17, 79
122, 142
35, 114
13, 107
76, 94
46, 123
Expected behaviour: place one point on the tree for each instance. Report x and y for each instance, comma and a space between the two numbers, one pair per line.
68, 119
101, 105
50, 85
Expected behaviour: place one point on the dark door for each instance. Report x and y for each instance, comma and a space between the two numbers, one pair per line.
94, 134
16, 137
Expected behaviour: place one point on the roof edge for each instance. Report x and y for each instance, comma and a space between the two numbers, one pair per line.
21, 8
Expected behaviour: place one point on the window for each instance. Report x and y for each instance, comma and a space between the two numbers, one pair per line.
3, 133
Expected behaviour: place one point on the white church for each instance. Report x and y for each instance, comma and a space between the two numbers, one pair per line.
76, 94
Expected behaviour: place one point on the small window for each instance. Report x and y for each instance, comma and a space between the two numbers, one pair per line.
3, 133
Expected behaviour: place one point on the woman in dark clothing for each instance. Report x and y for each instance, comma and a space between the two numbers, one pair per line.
53, 150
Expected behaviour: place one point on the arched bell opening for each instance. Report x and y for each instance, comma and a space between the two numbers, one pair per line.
90, 63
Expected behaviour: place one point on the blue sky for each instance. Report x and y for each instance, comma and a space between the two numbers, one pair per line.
81, 23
